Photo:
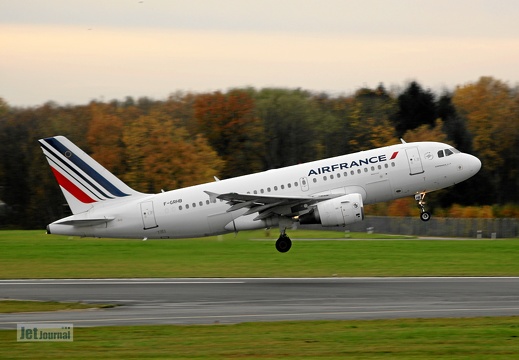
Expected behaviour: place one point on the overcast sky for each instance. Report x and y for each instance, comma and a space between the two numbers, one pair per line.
76, 51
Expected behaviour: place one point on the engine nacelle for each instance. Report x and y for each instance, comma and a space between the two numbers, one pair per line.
344, 210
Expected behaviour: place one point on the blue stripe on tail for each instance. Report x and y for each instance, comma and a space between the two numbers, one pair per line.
86, 168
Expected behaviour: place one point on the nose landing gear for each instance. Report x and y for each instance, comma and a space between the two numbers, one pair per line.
424, 215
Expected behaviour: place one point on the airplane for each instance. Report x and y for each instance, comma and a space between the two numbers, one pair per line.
331, 192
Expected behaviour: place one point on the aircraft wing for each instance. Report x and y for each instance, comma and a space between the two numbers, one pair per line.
270, 205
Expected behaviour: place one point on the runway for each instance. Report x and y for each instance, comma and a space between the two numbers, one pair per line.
209, 301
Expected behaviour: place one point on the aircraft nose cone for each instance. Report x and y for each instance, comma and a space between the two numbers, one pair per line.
475, 164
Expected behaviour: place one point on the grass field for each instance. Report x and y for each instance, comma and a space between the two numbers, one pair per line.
475, 338
33, 254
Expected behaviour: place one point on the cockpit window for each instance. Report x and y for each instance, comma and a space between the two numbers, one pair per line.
448, 152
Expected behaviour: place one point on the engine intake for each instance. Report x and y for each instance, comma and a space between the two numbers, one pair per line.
341, 211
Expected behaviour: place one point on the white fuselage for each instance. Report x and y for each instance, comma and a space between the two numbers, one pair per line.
378, 175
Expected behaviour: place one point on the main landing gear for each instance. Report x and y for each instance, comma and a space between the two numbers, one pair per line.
424, 215
283, 244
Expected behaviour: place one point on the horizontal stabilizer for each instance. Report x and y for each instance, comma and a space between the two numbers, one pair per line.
85, 222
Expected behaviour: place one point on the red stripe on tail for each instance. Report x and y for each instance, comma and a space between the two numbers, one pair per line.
72, 188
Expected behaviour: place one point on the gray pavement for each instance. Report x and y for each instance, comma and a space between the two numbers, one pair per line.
207, 301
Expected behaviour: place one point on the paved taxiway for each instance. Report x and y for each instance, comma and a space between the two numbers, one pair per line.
206, 301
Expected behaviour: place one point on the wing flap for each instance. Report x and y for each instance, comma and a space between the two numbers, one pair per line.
262, 208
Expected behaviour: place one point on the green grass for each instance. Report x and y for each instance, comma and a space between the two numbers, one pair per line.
474, 338
33, 254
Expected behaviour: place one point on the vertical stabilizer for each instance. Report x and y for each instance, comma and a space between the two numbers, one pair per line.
83, 181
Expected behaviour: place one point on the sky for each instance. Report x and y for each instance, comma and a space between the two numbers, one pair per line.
73, 52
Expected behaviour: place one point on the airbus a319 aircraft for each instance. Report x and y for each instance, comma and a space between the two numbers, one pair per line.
330, 192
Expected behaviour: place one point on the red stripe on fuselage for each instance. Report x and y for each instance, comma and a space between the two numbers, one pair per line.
394, 155
72, 188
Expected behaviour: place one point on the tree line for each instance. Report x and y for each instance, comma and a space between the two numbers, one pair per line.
189, 138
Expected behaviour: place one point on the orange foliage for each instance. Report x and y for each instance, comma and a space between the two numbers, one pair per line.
229, 123
455, 211
162, 155
426, 133
104, 137
402, 207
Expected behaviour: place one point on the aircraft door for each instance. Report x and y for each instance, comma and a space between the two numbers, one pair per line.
148, 215
415, 162
304, 184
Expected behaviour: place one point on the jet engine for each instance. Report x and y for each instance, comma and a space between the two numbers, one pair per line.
343, 210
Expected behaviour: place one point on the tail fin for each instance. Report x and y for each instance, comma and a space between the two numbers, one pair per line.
83, 181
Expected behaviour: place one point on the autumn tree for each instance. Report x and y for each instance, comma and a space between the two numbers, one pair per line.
290, 121
454, 125
333, 131
492, 112
172, 143
160, 154
416, 107
229, 123
105, 138
427, 133
370, 119
180, 106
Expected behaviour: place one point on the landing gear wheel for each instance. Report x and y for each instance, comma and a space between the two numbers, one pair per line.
283, 244
425, 216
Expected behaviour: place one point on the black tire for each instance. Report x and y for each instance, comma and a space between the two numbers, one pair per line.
425, 216
283, 244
